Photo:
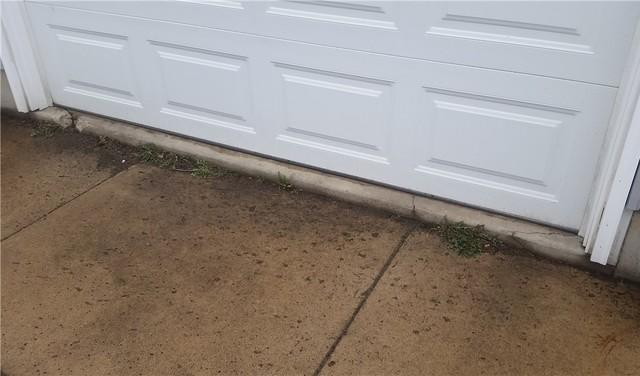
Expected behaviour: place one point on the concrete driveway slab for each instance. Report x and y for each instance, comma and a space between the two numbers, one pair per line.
160, 273
437, 313
42, 173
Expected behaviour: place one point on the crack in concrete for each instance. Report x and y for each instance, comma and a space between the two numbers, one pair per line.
42, 217
73, 125
365, 296
74, 118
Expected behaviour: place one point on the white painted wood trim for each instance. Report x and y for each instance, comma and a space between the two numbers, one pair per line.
10, 69
611, 223
626, 103
25, 78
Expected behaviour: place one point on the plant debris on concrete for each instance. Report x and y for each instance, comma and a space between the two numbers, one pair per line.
467, 240
284, 183
197, 167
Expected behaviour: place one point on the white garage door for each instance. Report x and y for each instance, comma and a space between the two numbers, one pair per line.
498, 105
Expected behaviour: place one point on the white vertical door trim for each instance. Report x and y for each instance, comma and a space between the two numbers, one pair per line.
626, 101
25, 78
612, 217
10, 69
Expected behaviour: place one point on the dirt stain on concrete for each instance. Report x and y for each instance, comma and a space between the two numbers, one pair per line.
158, 272
496, 314
43, 168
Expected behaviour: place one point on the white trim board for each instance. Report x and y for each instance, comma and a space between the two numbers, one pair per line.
10, 69
19, 59
605, 221
614, 221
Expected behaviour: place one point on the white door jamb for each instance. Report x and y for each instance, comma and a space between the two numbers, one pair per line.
612, 221
10, 69
606, 219
19, 59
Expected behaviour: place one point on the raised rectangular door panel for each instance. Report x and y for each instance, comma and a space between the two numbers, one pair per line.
335, 112
463, 136
479, 145
515, 143
218, 14
92, 68
583, 41
204, 85
80, 48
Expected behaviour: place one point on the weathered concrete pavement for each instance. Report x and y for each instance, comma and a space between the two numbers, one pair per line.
38, 176
496, 314
134, 270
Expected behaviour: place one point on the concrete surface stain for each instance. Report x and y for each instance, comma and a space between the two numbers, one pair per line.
156, 272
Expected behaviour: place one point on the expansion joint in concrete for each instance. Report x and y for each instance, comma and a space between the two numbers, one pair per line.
42, 217
364, 297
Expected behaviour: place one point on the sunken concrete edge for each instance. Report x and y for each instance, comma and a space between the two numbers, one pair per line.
541, 240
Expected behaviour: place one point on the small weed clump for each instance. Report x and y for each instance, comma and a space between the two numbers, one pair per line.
43, 131
467, 240
284, 183
201, 169
152, 154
